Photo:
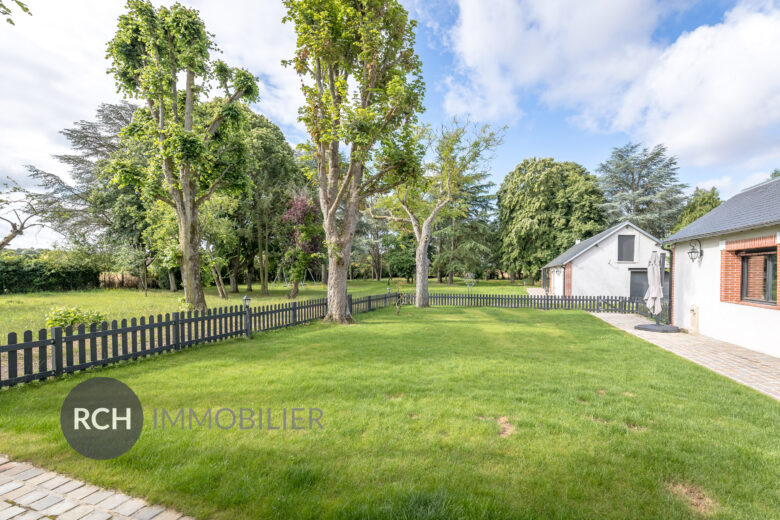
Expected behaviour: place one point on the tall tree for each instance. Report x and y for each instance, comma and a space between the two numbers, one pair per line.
363, 85
463, 239
699, 204
544, 206
198, 146
459, 160
641, 185
89, 207
305, 241
275, 175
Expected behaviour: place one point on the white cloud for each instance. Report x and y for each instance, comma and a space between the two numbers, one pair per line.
728, 186
713, 95
54, 70
54, 73
566, 51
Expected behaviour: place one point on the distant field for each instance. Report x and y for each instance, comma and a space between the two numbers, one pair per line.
20, 312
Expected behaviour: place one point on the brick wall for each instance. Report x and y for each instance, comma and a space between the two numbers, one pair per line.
567, 280
730, 276
731, 268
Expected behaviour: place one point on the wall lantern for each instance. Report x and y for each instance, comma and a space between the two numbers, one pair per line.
695, 253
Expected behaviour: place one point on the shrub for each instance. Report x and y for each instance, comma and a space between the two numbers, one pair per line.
53, 270
64, 316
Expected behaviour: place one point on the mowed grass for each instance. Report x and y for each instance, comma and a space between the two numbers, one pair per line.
20, 312
605, 425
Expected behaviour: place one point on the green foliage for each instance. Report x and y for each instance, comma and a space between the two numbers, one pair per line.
641, 186
775, 173
5, 10
543, 207
370, 43
195, 147
699, 204
65, 316
90, 207
50, 270
400, 254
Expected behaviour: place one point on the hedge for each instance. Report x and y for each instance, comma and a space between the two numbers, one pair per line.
32, 270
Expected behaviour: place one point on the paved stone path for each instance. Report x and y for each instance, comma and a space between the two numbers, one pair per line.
30, 493
754, 369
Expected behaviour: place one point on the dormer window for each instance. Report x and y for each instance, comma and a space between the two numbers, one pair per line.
626, 248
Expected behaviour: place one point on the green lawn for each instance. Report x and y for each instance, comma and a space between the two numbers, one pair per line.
20, 312
605, 425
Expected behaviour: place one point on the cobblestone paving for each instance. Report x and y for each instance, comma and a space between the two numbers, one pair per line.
754, 369
30, 493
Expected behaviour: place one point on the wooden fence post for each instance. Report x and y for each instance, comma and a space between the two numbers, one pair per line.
247, 318
175, 318
56, 333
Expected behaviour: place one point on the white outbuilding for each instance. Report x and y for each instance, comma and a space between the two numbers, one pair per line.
612, 263
725, 271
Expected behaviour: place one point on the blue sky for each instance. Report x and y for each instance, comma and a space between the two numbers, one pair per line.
569, 79
540, 126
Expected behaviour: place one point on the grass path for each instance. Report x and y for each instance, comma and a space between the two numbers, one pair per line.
600, 424
20, 312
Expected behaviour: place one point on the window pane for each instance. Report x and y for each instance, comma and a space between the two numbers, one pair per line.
625, 248
772, 277
754, 281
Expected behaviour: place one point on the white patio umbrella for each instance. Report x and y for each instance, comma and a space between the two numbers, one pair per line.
655, 289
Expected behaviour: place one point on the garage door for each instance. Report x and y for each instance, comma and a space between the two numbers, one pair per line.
639, 283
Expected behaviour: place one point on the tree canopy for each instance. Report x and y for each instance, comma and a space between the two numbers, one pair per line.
362, 84
699, 204
641, 186
195, 146
544, 206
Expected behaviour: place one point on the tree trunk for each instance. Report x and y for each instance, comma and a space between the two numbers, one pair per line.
511, 277
338, 310
293, 291
172, 280
262, 245
438, 275
339, 255
451, 275
145, 278
421, 260
234, 275
218, 282
249, 273
189, 238
323, 273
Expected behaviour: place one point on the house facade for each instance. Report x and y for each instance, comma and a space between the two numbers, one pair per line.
725, 271
612, 263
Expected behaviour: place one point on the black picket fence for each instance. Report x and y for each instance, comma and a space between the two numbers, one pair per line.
58, 351
619, 304
61, 351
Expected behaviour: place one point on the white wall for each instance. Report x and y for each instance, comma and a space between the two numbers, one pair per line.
698, 283
556, 281
597, 271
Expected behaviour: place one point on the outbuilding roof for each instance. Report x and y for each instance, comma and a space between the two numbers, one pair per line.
752, 208
577, 249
